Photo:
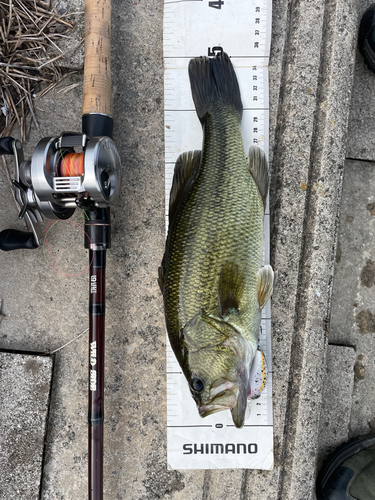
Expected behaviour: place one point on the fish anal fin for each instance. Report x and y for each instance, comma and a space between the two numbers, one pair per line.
231, 286
266, 279
185, 166
258, 167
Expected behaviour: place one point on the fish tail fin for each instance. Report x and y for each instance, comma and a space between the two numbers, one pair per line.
213, 80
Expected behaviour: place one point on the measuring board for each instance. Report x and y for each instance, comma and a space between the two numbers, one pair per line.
193, 28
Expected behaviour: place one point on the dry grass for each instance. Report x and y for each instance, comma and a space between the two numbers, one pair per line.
29, 30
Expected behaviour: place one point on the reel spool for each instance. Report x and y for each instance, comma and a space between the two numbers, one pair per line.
58, 179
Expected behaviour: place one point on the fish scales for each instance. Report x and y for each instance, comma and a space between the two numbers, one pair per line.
220, 220
214, 247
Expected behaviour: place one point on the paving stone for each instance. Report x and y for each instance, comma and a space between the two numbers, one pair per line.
308, 162
54, 305
361, 130
25, 382
337, 399
353, 300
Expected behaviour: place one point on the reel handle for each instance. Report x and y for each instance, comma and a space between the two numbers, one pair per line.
12, 239
6, 146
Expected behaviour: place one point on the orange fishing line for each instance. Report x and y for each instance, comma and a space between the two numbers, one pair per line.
72, 165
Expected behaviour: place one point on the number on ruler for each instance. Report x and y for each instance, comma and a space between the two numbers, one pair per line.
214, 50
216, 4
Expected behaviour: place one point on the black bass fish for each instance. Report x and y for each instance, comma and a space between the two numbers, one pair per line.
213, 285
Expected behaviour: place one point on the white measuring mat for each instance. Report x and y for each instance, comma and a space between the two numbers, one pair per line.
193, 28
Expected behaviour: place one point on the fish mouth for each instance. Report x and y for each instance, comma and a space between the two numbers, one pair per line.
222, 397
226, 395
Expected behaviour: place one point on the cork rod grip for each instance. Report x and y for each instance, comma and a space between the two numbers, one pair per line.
97, 91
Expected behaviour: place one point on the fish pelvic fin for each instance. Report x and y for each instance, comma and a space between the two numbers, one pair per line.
266, 281
213, 80
258, 167
185, 166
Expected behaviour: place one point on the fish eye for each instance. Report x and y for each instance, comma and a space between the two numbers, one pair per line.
197, 384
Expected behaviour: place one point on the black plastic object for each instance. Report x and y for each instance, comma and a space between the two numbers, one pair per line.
12, 239
6, 146
366, 38
98, 228
97, 125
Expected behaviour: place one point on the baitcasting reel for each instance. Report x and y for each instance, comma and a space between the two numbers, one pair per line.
57, 180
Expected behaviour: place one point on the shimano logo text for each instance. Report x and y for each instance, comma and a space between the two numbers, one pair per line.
219, 448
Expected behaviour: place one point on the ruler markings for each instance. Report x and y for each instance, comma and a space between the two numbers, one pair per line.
184, 134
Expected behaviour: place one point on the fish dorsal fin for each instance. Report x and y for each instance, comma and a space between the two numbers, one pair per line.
266, 280
161, 277
185, 165
231, 286
258, 167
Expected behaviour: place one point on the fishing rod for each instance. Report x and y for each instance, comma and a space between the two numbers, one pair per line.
78, 170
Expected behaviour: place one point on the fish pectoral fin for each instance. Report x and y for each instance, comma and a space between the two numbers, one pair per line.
266, 280
185, 166
193, 333
231, 286
258, 167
